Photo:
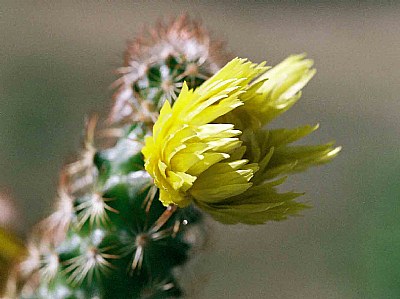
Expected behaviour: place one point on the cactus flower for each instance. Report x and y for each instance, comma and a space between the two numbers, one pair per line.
210, 147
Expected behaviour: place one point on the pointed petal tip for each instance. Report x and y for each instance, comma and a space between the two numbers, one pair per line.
334, 152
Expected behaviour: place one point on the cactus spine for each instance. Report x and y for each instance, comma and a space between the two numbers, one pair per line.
109, 236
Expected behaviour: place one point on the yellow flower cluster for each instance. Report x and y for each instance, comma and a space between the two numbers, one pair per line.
210, 147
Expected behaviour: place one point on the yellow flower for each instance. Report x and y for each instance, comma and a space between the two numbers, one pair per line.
210, 148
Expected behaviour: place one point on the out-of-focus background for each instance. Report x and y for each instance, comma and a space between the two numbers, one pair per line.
56, 62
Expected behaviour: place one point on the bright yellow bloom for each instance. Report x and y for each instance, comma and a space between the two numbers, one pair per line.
210, 147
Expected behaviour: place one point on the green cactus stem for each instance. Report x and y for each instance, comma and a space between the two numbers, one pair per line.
110, 236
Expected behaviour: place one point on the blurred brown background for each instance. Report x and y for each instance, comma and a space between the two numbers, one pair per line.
56, 62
